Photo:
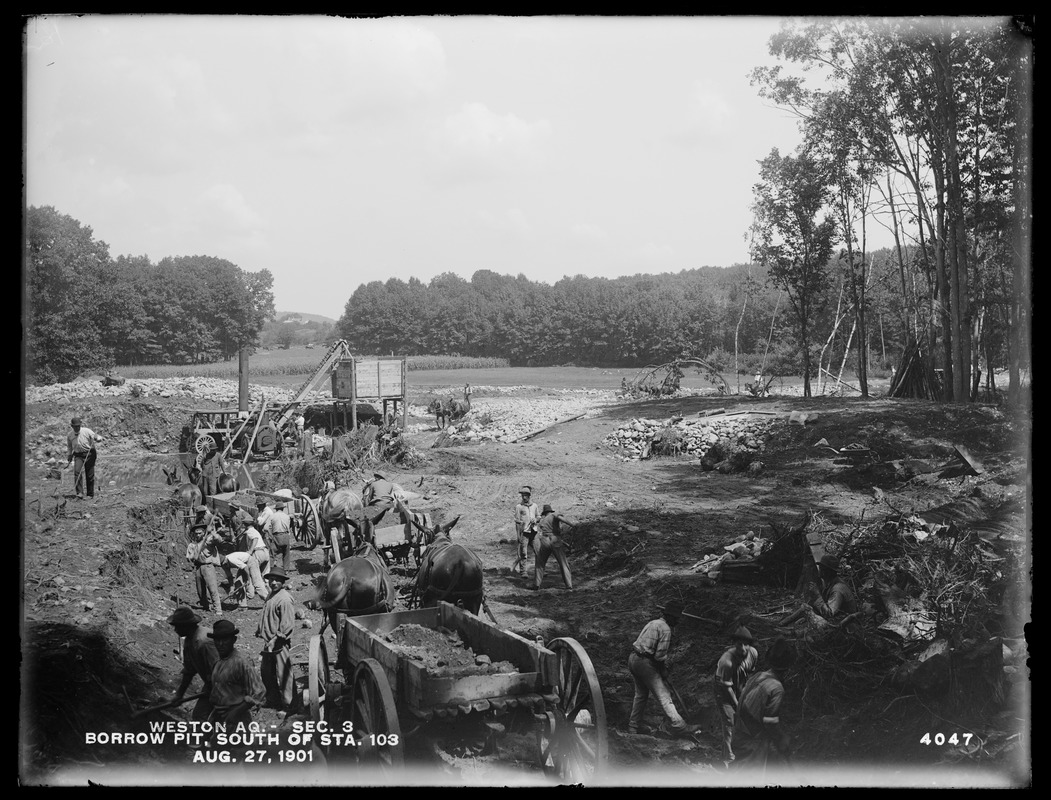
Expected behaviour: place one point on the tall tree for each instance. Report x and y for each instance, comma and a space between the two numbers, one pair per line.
793, 235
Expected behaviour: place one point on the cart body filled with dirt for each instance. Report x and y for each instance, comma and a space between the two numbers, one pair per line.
407, 670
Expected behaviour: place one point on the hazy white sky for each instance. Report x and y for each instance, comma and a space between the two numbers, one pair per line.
333, 151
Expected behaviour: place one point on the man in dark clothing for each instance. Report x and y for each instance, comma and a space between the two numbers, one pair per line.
548, 541
757, 729
831, 598
199, 657
236, 686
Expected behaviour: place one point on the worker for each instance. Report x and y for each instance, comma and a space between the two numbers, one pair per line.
203, 553
236, 687
648, 665
203, 518
263, 513
279, 532
757, 727
526, 515
212, 468
81, 452
548, 541
830, 597
275, 629
734, 667
199, 657
242, 565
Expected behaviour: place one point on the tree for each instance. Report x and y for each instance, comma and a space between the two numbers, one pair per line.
63, 264
793, 235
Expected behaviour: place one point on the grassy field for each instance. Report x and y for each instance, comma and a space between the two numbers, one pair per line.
290, 368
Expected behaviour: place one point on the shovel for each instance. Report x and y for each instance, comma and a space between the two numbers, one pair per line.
169, 704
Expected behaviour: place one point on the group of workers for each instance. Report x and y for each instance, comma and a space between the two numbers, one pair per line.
233, 686
540, 530
748, 699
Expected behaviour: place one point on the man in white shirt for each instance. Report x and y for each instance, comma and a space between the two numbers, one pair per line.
80, 445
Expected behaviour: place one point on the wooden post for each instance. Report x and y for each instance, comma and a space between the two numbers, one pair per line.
404, 397
354, 392
242, 380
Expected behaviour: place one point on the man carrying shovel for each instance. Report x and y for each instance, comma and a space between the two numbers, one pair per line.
199, 657
648, 666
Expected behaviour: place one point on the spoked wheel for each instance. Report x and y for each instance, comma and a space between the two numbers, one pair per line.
375, 718
571, 737
317, 677
310, 526
205, 443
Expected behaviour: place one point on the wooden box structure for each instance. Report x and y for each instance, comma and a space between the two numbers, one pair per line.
379, 381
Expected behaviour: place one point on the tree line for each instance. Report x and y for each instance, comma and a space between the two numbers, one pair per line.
85, 311
925, 127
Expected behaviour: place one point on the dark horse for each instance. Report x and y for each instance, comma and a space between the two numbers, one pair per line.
357, 585
449, 572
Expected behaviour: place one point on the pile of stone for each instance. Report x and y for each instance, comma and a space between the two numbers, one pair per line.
745, 547
696, 437
508, 419
221, 391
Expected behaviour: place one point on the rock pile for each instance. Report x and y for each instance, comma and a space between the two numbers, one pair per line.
507, 419
221, 391
745, 548
728, 433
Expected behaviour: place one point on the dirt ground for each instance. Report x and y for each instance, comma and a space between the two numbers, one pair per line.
101, 576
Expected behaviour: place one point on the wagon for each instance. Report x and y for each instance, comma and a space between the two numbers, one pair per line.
386, 694
388, 536
306, 524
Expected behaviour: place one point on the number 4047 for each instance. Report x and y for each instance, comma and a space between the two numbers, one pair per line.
941, 739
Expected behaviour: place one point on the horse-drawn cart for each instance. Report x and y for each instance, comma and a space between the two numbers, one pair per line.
390, 692
306, 524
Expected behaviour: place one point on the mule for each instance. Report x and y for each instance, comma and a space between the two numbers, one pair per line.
187, 498
440, 409
448, 571
355, 586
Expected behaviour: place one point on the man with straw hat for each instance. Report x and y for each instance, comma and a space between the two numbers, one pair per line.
548, 542
526, 515
275, 629
279, 531
199, 657
236, 687
648, 665
757, 728
733, 669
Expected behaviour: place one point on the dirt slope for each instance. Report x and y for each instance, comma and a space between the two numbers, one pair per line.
101, 577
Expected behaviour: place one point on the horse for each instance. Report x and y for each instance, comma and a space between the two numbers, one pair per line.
458, 409
187, 498
440, 409
355, 586
450, 572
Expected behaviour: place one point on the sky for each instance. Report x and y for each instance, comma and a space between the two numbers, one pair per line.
333, 152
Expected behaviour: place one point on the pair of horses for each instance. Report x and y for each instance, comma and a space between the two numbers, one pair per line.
361, 584
452, 409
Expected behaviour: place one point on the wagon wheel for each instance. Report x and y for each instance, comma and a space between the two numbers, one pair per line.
205, 443
317, 676
310, 526
375, 718
571, 739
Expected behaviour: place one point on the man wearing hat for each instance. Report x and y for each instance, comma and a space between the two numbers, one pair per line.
548, 541
199, 657
203, 518
527, 514
757, 729
830, 597
833, 597
81, 452
203, 553
278, 531
250, 554
236, 687
733, 669
275, 629
648, 665
212, 468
